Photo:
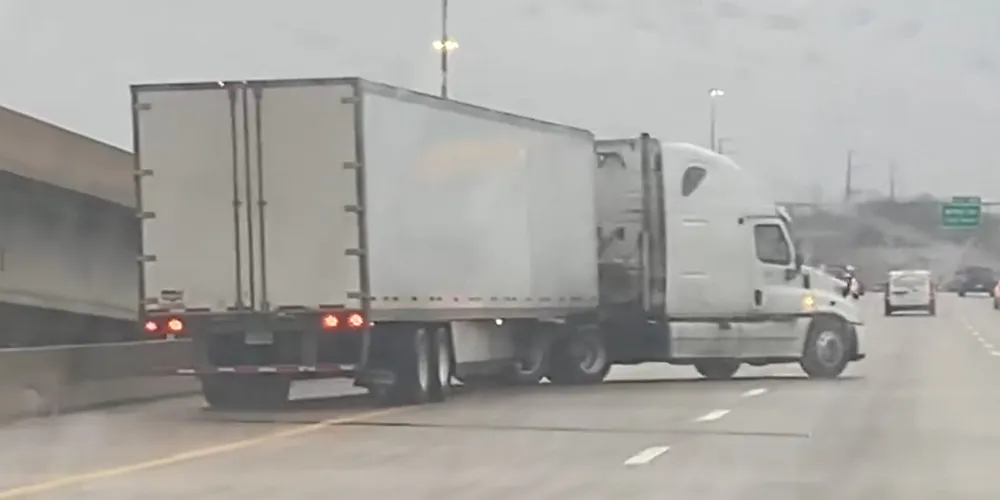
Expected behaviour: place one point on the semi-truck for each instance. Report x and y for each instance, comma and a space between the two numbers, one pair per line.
340, 227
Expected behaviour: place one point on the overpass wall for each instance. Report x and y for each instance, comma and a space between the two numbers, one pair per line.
68, 236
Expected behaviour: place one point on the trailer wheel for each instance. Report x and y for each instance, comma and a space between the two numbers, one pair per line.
717, 369
578, 358
828, 348
413, 367
443, 365
245, 392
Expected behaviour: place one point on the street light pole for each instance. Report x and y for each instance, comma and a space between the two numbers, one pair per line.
712, 95
444, 49
445, 45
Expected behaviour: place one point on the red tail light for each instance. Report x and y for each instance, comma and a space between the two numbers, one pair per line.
332, 321
356, 320
151, 327
175, 325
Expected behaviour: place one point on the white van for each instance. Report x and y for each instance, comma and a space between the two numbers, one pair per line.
910, 290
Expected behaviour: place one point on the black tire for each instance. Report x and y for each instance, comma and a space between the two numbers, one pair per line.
413, 368
932, 310
579, 358
961, 294
245, 392
888, 309
443, 365
828, 348
717, 369
996, 306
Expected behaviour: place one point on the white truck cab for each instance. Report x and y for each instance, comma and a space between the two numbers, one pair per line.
736, 288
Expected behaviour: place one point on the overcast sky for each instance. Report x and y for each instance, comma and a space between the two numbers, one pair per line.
912, 80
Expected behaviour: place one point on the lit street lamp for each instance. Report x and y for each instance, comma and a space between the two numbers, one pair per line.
444, 45
713, 94
447, 45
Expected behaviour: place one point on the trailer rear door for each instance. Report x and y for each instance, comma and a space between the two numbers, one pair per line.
248, 195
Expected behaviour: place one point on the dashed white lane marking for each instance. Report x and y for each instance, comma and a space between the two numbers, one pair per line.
646, 456
987, 345
995, 353
712, 415
754, 392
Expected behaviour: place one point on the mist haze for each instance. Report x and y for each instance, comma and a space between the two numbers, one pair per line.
912, 81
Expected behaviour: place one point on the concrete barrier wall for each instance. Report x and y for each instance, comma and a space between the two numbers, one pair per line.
65, 250
51, 380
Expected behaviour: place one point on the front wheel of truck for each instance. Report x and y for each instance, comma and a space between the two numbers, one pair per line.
828, 347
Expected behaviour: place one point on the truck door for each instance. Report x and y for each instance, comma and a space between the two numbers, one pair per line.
772, 329
191, 156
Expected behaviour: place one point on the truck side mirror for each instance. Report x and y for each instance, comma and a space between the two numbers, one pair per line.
799, 261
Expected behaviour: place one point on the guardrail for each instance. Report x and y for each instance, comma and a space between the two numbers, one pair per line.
42, 381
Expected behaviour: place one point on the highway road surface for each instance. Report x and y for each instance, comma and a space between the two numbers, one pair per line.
916, 420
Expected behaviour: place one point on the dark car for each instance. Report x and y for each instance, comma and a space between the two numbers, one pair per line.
976, 279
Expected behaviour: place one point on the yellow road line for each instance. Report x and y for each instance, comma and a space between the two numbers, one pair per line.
185, 456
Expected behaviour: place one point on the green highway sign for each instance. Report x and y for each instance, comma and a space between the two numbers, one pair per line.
962, 212
967, 200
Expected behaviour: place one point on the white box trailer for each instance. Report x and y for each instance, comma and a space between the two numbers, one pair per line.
341, 227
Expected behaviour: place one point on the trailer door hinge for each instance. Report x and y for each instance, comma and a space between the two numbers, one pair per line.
143, 106
146, 215
147, 258
351, 165
353, 209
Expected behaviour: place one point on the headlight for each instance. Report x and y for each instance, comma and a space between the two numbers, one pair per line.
808, 302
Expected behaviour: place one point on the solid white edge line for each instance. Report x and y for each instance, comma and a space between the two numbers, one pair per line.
754, 392
712, 415
647, 455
